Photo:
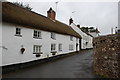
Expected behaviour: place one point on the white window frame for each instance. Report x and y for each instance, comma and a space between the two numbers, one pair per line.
18, 32
37, 49
71, 47
53, 35
37, 34
53, 47
60, 47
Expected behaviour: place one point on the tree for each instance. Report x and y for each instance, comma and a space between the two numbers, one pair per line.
90, 29
84, 29
22, 5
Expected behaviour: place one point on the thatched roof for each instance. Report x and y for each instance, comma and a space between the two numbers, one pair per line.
18, 15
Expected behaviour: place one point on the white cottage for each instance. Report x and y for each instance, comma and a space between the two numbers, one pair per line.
29, 36
86, 41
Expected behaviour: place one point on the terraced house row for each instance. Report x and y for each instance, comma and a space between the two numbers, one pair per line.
28, 36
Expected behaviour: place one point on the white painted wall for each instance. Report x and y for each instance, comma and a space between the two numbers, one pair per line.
94, 34
90, 42
85, 37
0, 44
13, 44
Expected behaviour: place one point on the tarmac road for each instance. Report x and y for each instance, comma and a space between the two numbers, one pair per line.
75, 66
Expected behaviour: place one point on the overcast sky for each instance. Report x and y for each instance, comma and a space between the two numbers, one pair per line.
99, 13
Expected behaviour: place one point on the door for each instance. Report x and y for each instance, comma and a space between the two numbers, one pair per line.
76, 47
80, 41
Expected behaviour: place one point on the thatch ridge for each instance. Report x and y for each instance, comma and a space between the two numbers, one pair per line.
18, 15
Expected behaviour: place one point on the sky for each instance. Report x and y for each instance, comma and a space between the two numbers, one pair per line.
102, 14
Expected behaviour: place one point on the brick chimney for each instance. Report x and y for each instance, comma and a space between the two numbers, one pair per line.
51, 14
70, 21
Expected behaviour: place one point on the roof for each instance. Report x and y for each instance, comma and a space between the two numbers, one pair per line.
97, 31
18, 15
78, 26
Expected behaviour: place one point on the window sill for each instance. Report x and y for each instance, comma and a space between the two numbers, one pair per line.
18, 35
38, 53
53, 51
37, 38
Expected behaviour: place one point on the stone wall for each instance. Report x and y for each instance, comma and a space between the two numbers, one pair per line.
107, 56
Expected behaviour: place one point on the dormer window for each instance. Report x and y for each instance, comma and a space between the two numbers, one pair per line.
18, 32
37, 34
53, 36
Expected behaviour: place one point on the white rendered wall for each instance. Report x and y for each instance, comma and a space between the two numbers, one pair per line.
0, 44
89, 40
13, 44
0, 37
94, 34
85, 37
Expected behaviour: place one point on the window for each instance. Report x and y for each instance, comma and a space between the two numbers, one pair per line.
71, 38
53, 47
53, 36
37, 49
70, 47
37, 34
60, 47
18, 32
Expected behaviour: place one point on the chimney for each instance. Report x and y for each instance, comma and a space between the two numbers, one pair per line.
51, 14
78, 26
70, 21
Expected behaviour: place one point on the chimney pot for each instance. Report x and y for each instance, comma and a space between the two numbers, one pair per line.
78, 26
70, 21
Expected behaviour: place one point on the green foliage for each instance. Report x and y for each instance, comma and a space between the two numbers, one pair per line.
84, 29
91, 28
88, 29
23, 6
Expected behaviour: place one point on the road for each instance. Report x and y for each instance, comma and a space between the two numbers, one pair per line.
75, 66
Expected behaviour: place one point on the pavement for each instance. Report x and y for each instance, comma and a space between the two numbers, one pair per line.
78, 65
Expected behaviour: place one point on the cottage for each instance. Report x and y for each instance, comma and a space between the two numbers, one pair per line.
86, 41
29, 36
